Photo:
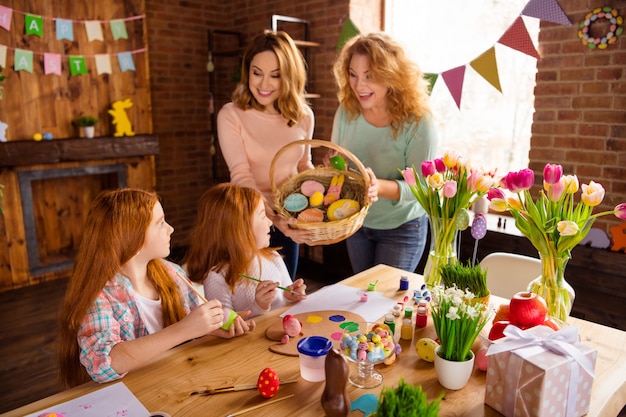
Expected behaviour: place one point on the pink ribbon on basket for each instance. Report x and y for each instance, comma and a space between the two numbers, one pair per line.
527, 345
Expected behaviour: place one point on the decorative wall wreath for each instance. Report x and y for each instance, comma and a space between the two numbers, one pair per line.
615, 29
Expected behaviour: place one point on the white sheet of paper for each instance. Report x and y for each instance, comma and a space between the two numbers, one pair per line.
345, 298
113, 400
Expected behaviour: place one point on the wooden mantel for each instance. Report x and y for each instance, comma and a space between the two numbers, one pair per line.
48, 187
29, 152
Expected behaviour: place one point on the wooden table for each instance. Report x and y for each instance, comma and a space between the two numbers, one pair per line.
165, 384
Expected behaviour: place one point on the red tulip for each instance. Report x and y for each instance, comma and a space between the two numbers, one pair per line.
428, 168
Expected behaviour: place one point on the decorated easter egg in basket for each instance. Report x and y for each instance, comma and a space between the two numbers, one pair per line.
311, 215
342, 209
296, 202
308, 187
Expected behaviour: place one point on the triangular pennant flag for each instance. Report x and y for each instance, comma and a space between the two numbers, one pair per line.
65, 30
517, 37
77, 65
51, 63
549, 10
5, 17
126, 62
33, 25
94, 31
432, 79
118, 29
454, 80
487, 67
23, 60
103, 64
348, 31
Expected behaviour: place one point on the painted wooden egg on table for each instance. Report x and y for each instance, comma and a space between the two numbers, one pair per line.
425, 348
311, 215
309, 187
295, 202
268, 383
342, 209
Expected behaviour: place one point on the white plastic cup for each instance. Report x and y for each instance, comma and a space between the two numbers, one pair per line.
313, 351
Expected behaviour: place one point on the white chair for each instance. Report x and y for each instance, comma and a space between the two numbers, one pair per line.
509, 273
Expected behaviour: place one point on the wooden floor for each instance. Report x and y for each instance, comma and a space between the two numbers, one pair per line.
28, 329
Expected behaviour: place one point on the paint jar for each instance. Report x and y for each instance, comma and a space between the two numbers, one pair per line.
421, 317
406, 331
404, 283
312, 352
391, 322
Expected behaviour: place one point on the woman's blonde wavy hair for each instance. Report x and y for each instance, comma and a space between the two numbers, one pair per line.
407, 95
291, 102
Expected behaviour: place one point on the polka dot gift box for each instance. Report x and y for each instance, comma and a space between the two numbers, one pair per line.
539, 372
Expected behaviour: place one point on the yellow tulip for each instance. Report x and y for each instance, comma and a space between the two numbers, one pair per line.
592, 194
571, 183
514, 203
567, 228
498, 204
435, 180
450, 159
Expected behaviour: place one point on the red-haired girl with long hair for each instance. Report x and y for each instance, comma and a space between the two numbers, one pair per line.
231, 237
125, 304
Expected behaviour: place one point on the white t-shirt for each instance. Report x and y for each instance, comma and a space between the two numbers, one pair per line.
150, 312
215, 286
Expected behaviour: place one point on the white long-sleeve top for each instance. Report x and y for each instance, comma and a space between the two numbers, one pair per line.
215, 286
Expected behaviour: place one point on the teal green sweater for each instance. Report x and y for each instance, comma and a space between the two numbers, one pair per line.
376, 148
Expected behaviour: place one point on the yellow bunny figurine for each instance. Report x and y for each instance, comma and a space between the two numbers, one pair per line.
334, 190
120, 118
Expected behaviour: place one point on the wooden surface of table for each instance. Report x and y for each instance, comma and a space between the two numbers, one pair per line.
166, 383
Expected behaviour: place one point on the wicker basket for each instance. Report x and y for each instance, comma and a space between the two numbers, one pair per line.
355, 187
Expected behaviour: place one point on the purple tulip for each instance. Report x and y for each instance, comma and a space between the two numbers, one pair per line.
428, 168
620, 211
552, 173
440, 165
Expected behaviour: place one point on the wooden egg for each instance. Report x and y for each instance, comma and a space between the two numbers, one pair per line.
342, 209
268, 383
309, 187
316, 199
295, 202
311, 215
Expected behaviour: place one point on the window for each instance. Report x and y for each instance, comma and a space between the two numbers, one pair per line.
491, 129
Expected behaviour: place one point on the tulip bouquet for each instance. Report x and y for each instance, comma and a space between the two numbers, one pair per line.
457, 320
554, 223
446, 188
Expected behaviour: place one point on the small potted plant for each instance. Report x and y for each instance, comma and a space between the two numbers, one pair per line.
457, 320
406, 400
466, 277
87, 124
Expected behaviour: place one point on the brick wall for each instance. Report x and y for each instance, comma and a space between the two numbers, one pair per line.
579, 121
580, 118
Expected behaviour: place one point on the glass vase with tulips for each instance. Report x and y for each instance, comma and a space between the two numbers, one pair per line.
554, 223
445, 187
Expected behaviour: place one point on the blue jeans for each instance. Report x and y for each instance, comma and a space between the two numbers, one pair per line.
290, 250
401, 247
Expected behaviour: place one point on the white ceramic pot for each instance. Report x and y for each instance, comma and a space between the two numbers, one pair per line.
453, 375
89, 131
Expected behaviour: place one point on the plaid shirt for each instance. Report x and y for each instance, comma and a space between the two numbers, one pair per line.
113, 318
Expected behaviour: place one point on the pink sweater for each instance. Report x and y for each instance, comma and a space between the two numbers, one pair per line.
249, 140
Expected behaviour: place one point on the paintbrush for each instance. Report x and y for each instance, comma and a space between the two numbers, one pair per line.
245, 410
233, 388
279, 287
191, 286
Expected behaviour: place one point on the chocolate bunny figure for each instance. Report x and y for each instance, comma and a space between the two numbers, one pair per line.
335, 398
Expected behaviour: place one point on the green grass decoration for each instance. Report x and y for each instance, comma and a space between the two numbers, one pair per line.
465, 276
406, 400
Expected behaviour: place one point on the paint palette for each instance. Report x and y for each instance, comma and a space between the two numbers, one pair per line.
331, 324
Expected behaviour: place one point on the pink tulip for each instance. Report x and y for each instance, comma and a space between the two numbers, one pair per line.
555, 190
525, 178
620, 211
552, 173
495, 193
439, 165
428, 168
409, 177
592, 193
449, 188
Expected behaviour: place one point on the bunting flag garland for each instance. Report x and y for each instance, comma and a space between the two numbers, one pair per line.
33, 25
103, 64
77, 65
3, 56
64, 29
118, 29
94, 31
515, 37
454, 80
432, 79
487, 67
126, 61
23, 60
348, 31
51, 63
5, 17
549, 10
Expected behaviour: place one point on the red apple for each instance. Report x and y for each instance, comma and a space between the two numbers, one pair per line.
502, 313
497, 330
527, 309
550, 322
